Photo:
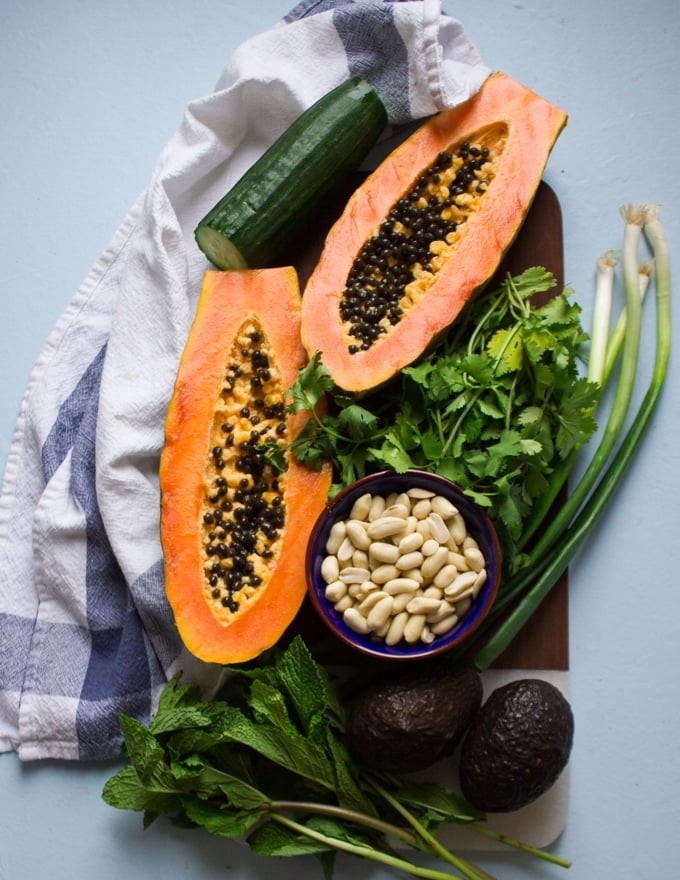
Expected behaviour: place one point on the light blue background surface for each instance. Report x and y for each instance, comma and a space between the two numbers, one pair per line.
90, 92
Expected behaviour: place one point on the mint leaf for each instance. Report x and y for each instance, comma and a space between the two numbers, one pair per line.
220, 821
310, 690
125, 791
272, 839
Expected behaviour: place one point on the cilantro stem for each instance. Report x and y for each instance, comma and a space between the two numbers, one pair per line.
364, 852
548, 569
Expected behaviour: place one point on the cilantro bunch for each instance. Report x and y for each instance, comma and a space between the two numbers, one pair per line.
496, 406
267, 762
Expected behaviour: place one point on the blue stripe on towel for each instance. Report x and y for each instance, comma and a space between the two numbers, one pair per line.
69, 418
118, 664
376, 52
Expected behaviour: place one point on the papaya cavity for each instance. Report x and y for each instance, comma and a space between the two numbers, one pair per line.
425, 231
235, 506
400, 261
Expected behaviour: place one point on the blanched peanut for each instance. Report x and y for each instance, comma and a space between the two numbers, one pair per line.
396, 631
410, 560
422, 508
445, 576
414, 628
401, 585
357, 534
360, 559
443, 507
361, 506
335, 537
409, 543
355, 621
385, 527
438, 528
458, 529
343, 604
401, 600
352, 575
380, 613
371, 600
330, 569
460, 584
418, 492
377, 508
384, 573
475, 558
422, 605
345, 550
399, 510
444, 625
335, 591
430, 546
432, 564
381, 551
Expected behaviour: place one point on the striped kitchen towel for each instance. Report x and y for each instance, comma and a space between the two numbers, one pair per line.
85, 631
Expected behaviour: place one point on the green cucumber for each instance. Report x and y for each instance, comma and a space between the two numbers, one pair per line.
255, 223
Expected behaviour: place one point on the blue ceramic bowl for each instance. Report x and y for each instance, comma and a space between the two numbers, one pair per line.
384, 483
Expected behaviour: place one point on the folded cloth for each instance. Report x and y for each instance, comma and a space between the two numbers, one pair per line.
85, 630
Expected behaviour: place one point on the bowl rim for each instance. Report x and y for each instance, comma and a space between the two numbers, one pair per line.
333, 620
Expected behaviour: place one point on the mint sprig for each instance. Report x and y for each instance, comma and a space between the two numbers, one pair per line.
267, 762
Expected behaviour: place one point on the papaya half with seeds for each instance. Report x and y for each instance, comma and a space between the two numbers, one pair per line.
425, 231
236, 509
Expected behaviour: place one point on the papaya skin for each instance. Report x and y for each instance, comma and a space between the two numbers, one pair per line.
530, 126
226, 299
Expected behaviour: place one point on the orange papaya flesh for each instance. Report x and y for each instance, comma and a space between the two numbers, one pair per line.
233, 528
425, 231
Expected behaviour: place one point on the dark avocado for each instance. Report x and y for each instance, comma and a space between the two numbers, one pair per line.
517, 746
407, 720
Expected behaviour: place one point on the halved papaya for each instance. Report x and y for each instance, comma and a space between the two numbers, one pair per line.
236, 509
425, 231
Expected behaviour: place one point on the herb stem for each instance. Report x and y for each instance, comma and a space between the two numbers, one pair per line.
364, 852
470, 871
518, 844
346, 815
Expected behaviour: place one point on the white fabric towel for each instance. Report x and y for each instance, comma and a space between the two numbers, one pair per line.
85, 630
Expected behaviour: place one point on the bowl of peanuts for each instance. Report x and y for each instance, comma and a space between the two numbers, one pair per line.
403, 566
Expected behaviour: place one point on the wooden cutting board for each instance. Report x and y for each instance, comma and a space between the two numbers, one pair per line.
541, 649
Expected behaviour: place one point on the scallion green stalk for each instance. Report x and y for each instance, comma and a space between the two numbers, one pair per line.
645, 270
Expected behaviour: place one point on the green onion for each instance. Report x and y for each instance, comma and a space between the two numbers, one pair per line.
645, 270
599, 336
634, 217
570, 538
